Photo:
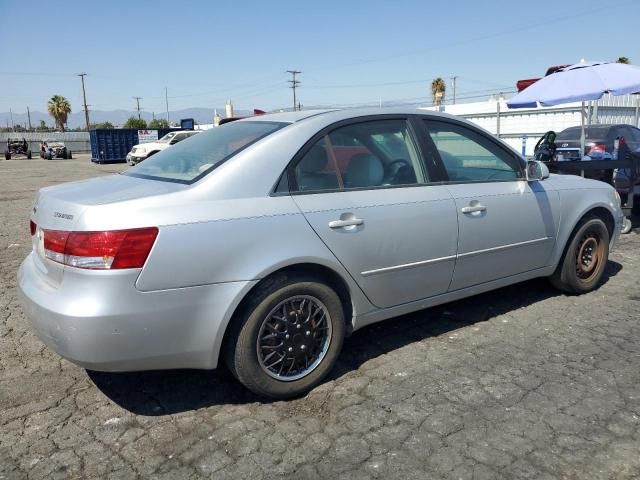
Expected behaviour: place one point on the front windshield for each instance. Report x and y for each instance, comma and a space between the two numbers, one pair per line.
197, 155
167, 137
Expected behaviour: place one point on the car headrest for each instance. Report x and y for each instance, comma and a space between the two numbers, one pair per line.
314, 161
364, 170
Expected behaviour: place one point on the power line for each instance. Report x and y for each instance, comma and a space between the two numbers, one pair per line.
457, 43
294, 84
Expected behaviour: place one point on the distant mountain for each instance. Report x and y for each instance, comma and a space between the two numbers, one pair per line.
117, 117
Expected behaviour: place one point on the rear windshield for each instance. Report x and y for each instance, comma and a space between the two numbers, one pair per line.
589, 132
193, 158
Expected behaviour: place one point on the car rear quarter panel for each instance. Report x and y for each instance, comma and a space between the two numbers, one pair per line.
224, 241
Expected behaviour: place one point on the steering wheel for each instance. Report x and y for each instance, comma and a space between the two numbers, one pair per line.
393, 168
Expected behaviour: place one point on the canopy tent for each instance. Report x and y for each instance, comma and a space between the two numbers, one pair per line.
579, 83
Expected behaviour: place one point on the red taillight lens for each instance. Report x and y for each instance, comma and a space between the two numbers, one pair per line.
596, 148
32, 227
115, 249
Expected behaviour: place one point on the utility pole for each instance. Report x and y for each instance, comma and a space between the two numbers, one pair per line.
453, 87
29, 117
166, 101
137, 99
294, 84
11, 115
84, 99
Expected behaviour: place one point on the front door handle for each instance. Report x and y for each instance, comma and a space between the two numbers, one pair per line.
350, 222
473, 208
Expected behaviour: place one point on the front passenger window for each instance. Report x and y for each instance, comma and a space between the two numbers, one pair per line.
469, 157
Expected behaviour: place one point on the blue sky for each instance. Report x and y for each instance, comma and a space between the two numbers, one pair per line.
350, 52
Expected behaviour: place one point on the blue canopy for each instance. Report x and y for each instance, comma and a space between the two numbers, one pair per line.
578, 83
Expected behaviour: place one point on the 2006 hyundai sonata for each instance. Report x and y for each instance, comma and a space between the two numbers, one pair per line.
262, 243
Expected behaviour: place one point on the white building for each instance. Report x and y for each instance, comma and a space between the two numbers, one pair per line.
526, 125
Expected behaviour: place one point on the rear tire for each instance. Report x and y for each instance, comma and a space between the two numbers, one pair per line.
287, 338
69, 156
626, 226
29, 154
585, 258
7, 155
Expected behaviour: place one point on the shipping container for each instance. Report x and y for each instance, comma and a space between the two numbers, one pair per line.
111, 145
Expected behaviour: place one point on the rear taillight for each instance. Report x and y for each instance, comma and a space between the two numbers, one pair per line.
596, 148
110, 250
32, 227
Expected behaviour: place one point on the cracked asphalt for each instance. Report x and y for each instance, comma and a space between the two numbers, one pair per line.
518, 383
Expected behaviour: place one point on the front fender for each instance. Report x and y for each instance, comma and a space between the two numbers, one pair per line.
575, 204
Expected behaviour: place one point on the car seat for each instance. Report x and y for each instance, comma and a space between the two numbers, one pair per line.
364, 170
311, 171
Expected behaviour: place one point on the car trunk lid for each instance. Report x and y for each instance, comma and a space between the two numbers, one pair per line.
60, 207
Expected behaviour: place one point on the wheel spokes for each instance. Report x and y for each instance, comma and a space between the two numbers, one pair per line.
294, 338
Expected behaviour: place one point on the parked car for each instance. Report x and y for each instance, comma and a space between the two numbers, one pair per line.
599, 141
17, 146
53, 149
599, 145
262, 243
145, 150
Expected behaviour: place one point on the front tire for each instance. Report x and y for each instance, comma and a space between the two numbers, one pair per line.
287, 338
585, 258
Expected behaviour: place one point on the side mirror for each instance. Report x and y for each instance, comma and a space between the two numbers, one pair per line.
536, 170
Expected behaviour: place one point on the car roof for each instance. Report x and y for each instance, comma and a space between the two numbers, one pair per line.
600, 126
334, 115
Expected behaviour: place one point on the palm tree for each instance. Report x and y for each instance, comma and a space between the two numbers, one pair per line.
623, 60
438, 88
59, 108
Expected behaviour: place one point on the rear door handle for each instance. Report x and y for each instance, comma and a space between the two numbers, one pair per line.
351, 222
473, 208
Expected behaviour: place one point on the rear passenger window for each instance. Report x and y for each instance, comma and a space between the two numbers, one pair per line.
363, 155
467, 156
313, 172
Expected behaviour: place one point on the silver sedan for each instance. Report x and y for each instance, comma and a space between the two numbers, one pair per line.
264, 242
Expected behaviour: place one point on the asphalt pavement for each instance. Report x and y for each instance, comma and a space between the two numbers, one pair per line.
519, 383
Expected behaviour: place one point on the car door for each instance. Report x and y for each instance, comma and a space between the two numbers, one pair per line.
366, 193
507, 225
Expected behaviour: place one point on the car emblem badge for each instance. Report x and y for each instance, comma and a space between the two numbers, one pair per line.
565, 144
66, 216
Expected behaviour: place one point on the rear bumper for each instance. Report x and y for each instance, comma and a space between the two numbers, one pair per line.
99, 320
